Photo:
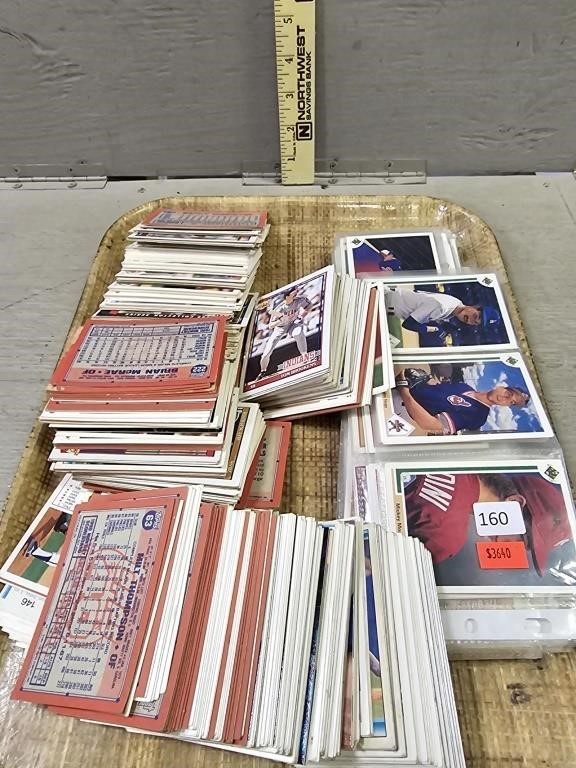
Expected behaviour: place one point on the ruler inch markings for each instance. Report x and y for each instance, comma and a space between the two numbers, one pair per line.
295, 31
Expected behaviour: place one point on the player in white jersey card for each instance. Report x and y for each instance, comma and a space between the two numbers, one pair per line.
290, 333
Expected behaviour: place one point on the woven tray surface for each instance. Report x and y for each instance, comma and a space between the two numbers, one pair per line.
512, 713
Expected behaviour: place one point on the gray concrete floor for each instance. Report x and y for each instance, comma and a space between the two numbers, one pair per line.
48, 240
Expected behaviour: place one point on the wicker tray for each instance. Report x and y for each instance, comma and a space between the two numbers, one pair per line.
513, 713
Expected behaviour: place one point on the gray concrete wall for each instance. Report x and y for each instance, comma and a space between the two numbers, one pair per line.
187, 87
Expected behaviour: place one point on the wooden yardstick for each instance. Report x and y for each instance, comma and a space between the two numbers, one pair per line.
295, 26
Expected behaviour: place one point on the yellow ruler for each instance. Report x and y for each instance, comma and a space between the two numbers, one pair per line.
295, 25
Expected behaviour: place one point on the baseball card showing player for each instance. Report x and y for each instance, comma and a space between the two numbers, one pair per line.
452, 400
376, 708
383, 353
290, 333
383, 256
33, 561
464, 312
506, 525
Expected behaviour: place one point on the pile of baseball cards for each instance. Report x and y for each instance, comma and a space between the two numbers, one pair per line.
147, 395
498, 520
312, 346
274, 636
149, 602
502, 534
129, 380
189, 261
29, 569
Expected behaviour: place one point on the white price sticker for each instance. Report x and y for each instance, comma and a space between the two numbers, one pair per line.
498, 518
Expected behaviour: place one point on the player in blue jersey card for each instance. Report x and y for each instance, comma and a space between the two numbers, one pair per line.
386, 255
466, 398
467, 312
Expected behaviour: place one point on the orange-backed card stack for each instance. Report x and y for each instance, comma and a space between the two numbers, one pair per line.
115, 602
312, 347
270, 635
160, 357
151, 401
148, 395
167, 614
190, 261
221, 472
265, 480
236, 322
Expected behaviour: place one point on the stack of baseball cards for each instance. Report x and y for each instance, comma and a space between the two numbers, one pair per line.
501, 531
142, 402
455, 372
236, 323
498, 521
183, 260
156, 459
273, 636
398, 706
223, 472
311, 347
30, 568
149, 366
111, 617
147, 395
